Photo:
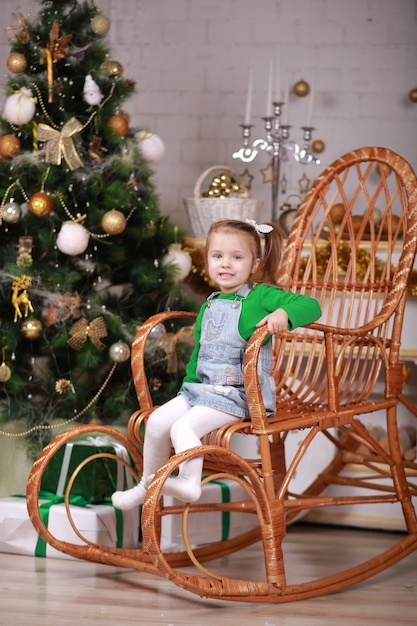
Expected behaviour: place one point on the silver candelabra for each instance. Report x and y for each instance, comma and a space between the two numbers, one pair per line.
277, 143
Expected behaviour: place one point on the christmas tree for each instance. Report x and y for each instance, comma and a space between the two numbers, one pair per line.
83, 247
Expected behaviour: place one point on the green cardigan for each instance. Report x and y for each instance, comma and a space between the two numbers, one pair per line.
261, 300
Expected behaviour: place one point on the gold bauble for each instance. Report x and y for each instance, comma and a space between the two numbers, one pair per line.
16, 63
31, 328
337, 212
9, 146
112, 68
118, 125
5, 373
413, 95
394, 224
113, 222
318, 146
41, 203
100, 25
382, 168
301, 89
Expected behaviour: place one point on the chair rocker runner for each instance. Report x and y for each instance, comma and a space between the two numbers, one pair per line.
352, 247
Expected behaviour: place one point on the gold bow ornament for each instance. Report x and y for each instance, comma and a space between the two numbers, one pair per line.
168, 343
83, 329
61, 144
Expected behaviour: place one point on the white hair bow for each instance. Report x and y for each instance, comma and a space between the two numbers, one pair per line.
262, 229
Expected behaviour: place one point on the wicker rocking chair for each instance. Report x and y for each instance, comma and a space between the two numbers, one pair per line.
352, 247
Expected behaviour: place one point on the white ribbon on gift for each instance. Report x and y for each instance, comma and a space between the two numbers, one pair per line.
100, 441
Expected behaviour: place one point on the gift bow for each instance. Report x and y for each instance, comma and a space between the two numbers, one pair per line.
60, 143
82, 329
52, 499
168, 343
122, 471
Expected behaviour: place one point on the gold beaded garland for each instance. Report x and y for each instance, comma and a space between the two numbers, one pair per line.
16, 63
9, 146
41, 203
113, 222
301, 88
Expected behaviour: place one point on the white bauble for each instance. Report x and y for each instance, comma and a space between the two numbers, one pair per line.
11, 212
72, 238
91, 92
155, 336
152, 146
179, 259
119, 352
19, 108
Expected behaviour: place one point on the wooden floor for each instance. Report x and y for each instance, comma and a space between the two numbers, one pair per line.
36, 591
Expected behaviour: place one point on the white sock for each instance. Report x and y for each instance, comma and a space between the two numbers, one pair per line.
130, 498
184, 489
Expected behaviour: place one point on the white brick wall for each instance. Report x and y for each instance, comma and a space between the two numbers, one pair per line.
190, 61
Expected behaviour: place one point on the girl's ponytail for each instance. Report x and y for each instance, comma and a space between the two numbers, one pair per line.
271, 258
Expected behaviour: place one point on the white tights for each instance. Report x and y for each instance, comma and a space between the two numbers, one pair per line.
181, 425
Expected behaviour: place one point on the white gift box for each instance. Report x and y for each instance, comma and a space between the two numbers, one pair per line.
208, 527
98, 523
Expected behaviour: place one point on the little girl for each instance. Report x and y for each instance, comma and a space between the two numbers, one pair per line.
212, 392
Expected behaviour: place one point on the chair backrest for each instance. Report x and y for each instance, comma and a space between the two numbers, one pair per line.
352, 246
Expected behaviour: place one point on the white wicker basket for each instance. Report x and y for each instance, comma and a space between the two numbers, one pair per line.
202, 212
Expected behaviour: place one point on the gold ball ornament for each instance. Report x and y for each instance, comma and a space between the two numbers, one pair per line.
16, 63
413, 95
31, 329
41, 203
318, 146
112, 68
377, 215
113, 222
5, 373
9, 146
301, 88
337, 212
118, 125
100, 25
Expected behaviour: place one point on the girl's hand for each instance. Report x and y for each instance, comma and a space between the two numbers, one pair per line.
275, 322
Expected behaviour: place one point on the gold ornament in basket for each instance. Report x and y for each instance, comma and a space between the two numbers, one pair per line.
227, 198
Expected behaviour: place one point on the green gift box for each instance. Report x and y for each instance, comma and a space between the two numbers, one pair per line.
98, 479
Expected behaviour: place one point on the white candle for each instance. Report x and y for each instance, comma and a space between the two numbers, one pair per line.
286, 100
248, 111
277, 97
269, 94
311, 103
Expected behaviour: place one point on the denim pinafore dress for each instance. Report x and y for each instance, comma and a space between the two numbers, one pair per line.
220, 361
